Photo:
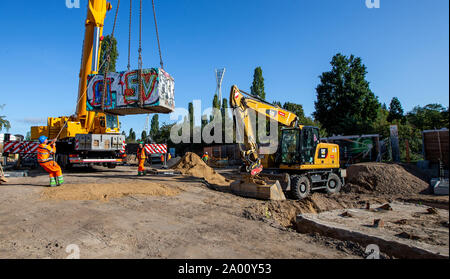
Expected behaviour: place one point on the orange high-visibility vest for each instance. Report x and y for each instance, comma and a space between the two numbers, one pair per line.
141, 154
45, 153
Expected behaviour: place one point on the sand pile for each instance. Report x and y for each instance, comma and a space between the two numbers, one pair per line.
285, 212
385, 179
104, 192
191, 164
173, 161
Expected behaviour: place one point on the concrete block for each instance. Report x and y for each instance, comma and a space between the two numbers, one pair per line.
123, 92
440, 187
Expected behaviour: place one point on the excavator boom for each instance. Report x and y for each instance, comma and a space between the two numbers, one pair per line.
243, 105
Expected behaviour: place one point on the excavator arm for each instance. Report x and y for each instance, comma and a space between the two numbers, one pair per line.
242, 103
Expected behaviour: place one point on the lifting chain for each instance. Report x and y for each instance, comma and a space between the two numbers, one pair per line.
157, 36
129, 36
140, 87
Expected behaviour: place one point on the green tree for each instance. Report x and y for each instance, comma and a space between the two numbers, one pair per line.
395, 111
345, 104
131, 136
216, 102
215, 105
431, 116
3, 122
226, 118
144, 136
297, 109
111, 50
163, 135
257, 88
191, 119
277, 104
154, 126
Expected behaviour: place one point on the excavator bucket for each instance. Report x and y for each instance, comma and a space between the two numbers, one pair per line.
258, 188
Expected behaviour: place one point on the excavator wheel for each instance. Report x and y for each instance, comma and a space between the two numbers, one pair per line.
300, 186
334, 183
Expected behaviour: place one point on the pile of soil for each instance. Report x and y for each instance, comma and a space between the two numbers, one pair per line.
173, 161
191, 164
132, 159
104, 192
285, 212
390, 179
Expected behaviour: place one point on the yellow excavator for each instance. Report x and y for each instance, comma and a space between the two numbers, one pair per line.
86, 137
301, 163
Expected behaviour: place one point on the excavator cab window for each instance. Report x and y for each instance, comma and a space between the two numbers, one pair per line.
289, 146
308, 143
111, 121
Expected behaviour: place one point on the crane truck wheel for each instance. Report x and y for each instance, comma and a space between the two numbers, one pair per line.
300, 187
334, 183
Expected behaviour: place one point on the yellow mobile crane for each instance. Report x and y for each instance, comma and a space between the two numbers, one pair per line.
86, 137
302, 163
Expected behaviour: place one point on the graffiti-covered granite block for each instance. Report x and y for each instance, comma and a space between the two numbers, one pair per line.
122, 94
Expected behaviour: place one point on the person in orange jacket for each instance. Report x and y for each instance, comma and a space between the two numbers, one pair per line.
141, 156
45, 153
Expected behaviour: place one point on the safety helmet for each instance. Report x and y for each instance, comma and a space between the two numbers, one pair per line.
206, 153
42, 139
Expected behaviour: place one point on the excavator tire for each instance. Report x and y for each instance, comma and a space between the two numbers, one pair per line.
334, 183
300, 186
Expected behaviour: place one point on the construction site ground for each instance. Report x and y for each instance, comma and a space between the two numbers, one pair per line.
112, 213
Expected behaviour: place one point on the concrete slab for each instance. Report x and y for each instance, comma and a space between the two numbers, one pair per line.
403, 232
163, 172
16, 173
439, 186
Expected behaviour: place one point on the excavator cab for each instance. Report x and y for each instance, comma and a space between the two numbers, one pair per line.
298, 145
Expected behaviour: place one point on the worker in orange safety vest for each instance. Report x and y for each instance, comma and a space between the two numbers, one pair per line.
141, 158
45, 153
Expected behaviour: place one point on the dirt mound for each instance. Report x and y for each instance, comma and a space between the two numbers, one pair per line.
191, 164
285, 212
104, 192
392, 179
173, 161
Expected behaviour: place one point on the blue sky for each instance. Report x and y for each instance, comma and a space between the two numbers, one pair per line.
404, 44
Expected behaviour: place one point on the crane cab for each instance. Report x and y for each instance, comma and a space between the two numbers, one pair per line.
107, 124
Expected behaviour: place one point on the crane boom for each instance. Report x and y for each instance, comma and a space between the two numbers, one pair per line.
90, 58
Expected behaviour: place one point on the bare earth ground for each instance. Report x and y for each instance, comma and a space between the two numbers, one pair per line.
192, 221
